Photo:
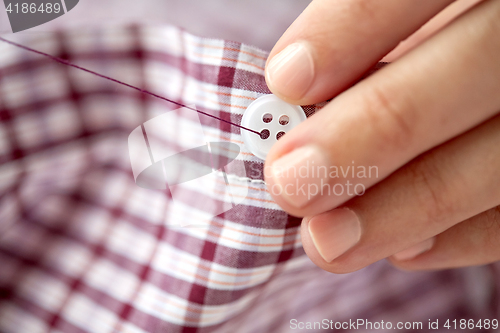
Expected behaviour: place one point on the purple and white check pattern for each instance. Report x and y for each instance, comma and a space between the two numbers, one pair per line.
84, 249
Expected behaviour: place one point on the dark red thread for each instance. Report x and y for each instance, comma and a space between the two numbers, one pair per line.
65, 62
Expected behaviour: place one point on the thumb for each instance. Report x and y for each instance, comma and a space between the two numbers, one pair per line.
332, 43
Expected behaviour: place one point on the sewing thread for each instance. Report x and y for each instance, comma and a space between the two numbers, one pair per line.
67, 63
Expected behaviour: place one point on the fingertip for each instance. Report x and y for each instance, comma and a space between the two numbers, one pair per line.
335, 232
339, 264
290, 73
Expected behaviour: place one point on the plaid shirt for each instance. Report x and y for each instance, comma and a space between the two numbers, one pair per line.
84, 249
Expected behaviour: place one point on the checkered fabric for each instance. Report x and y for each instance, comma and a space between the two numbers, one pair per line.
84, 249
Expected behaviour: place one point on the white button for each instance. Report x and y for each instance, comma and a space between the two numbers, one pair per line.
272, 117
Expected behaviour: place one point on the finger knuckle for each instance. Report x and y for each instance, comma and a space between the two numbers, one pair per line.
492, 224
431, 190
495, 230
391, 118
496, 216
488, 225
361, 8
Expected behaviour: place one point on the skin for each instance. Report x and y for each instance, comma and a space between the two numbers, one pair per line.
430, 122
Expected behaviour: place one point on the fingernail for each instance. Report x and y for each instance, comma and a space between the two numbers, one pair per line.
299, 175
415, 250
291, 72
335, 232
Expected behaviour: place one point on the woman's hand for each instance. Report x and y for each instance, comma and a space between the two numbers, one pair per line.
412, 153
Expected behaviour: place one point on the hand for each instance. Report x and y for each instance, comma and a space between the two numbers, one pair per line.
422, 135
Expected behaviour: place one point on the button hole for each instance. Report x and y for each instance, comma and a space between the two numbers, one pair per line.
267, 118
264, 134
284, 120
